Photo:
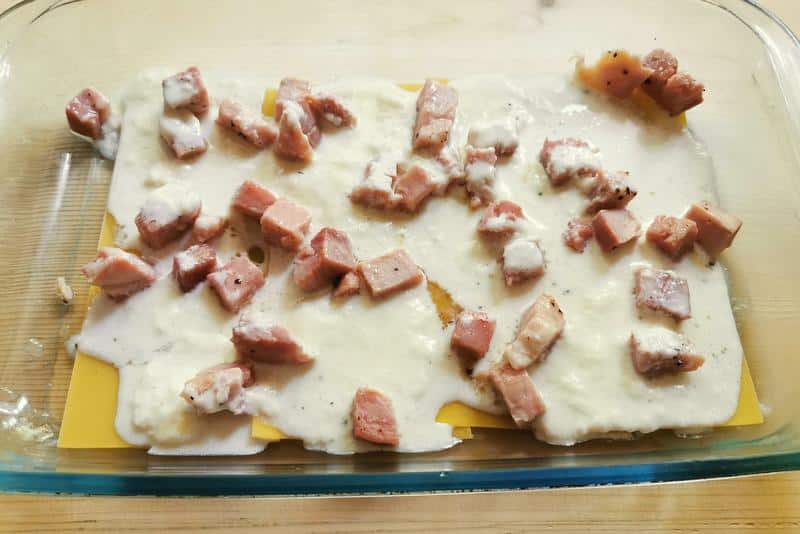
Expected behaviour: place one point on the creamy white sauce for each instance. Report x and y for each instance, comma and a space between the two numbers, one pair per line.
488, 134
178, 91
160, 338
566, 158
522, 255
181, 128
169, 202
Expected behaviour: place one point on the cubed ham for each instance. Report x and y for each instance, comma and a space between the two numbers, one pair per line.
659, 351
348, 286
578, 234
246, 124
298, 92
253, 199
664, 65
479, 174
500, 135
715, 228
186, 90
539, 329
501, 218
220, 387
329, 257
168, 212
373, 418
617, 73
614, 228
674, 91
673, 235
292, 142
520, 395
267, 343
330, 109
436, 111
182, 133
285, 224
450, 160
376, 189
390, 273
413, 186
663, 291
87, 112
191, 266
611, 192
208, 227
567, 159
119, 273
236, 282
522, 260
472, 335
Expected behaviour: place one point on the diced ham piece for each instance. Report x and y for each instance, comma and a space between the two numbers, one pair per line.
285, 224
220, 387
298, 92
436, 111
373, 418
331, 109
182, 133
376, 188
119, 273
664, 65
87, 112
501, 218
329, 257
413, 185
540, 327
479, 174
292, 142
674, 91
520, 395
617, 73
501, 135
167, 213
673, 235
715, 228
472, 335
578, 234
191, 266
390, 273
659, 351
522, 260
253, 199
567, 159
611, 192
236, 282
186, 90
208, 227
614, 228
267, 343
348, 286
246, 124
663, 291
450, 160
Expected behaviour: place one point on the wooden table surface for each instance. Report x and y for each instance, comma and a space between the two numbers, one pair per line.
765, 503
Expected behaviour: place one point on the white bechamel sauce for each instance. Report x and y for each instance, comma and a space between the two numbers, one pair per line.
489, 134
522, 255
566, 158
160, 338
178, 91
108, 144
181, 128
170, 201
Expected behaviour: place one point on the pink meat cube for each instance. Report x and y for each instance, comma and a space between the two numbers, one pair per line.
220, 387
578, 234
208, 227
331, 109
663, 291
450, 161
614, 228
715, 228
436, 111
413, 186
308, 272
329, 257
267, 343
191, 266
253, 199
246, 124
664, 65
168, 212
567, 159
292, 142
285, 224
674, 236
611, 192
681, 93
522, 260
472, 335
501, 218
660, 351
479, 172
390, 273
298, 92
376, 189
373, 418
119, 273
520, 395
183, 134
539, 329
186, 90
348, 286
87, 112
236, 282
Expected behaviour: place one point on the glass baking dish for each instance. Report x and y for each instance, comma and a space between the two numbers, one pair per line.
53, 190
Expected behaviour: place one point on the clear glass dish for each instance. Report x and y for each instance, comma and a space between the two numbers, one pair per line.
53, 191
